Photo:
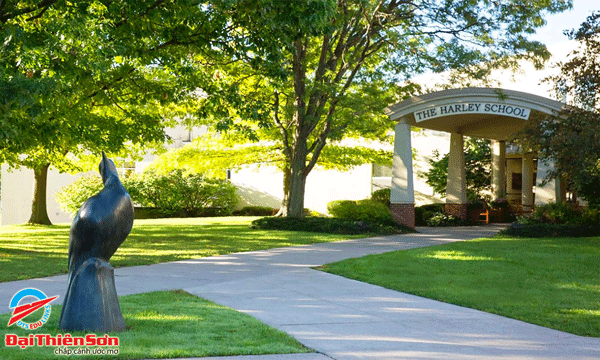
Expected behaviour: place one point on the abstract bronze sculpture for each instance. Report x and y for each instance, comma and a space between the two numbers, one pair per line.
99, 228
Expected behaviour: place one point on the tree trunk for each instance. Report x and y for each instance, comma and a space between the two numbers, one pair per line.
294, 183
39, 213
283, 210
295, 206
295, 179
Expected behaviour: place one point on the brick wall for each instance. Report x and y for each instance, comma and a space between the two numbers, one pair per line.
404, 214
457, 210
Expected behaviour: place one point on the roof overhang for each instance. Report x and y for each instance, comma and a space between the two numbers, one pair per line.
479, 112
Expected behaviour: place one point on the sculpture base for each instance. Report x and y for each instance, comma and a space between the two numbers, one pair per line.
91, 302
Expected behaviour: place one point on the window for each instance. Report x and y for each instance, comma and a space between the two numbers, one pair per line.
517, 181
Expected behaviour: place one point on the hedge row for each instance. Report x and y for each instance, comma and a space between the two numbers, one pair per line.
551, 230
325, 225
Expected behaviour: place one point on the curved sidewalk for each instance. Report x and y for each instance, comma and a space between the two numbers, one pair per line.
342, 318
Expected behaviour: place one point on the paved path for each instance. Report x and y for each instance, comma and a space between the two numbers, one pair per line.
342, 318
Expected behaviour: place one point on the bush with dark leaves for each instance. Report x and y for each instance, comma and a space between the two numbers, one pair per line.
327, 225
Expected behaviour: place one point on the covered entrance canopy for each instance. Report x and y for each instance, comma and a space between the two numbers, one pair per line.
495, 114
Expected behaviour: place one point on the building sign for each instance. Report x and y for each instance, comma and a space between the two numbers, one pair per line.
472, 108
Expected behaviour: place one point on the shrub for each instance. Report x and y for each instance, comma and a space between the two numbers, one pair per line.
425, 212
591, 216
557, 219
551, 230
440, 219
554, 213
179, 194
71, 197
326, 225
342, 209
382, 196
255, 211
173, 194
362, 210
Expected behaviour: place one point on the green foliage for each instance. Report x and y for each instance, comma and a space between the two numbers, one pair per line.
440, 219
71, 197
327, 75
362, 210
78, 78
382, 196
425, 212
572, 138
562, 213
554, 213
478, 170
326, 225
214, 154
556, 220
173, 194
542, 230
255, 211
176, 193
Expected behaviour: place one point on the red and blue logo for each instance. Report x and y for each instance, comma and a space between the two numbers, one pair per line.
22, 310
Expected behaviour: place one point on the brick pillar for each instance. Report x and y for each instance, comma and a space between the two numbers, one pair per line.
458, 210
404, 214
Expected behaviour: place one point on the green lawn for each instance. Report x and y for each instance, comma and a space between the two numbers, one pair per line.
168, 324
36, 251
553, 282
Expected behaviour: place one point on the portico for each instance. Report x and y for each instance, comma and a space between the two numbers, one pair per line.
494, 114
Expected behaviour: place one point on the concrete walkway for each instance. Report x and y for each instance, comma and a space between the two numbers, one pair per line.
342, 318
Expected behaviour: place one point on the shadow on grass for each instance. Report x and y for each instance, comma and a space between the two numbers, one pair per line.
551, 282
170, 324
37, 251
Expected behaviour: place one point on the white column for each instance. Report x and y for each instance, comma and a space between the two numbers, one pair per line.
527, 182
498, 169
550, 191
456, 188
402, 191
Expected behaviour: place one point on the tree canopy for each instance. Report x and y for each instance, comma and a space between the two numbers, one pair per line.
572, 138
102, 74
315, 71
80, 77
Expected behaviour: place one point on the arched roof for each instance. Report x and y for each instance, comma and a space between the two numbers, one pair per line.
480, 112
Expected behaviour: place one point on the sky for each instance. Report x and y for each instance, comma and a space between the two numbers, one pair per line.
552, 33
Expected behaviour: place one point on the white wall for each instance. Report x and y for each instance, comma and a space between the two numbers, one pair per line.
17, 195
551, 191
264, 186
425, 143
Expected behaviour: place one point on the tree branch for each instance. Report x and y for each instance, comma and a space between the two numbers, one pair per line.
284, 134
43, 5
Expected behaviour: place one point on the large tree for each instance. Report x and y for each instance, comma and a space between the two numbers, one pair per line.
572, 138
80, 77
313, 71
